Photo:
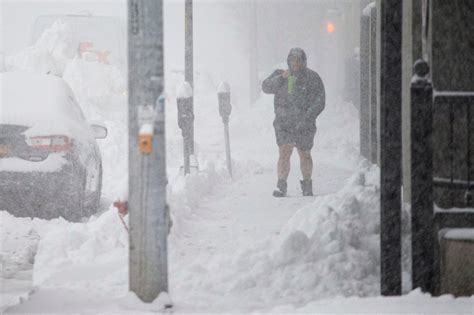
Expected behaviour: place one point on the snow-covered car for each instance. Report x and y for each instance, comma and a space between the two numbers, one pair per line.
50, 163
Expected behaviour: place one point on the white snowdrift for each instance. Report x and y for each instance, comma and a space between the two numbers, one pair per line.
79, 256
49, 54
19, 238
36, 100
327, 249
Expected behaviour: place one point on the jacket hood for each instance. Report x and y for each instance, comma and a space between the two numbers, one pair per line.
298, 52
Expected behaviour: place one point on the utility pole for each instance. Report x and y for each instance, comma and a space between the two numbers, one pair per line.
149, 217
188, 59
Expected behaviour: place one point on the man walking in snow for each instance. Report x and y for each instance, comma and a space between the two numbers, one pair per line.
299, 99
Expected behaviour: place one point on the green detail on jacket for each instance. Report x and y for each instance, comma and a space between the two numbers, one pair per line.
291, 84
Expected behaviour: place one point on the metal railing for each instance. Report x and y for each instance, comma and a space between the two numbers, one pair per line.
441, 172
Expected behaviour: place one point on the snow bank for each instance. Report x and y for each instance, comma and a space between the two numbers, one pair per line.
99, 88
91, 256
337, 238
49, 54
19, 238
327, 249
101, 92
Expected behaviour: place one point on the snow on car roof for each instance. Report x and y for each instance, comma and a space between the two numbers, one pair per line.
44, 102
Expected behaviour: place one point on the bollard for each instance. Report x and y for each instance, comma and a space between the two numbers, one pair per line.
186, 121
225, 108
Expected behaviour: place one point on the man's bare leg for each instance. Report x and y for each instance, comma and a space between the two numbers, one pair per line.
283, 167
306, 165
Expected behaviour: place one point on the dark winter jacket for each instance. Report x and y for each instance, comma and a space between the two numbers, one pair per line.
300, 109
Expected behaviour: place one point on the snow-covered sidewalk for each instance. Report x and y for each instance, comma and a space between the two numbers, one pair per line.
233, 248
215, 218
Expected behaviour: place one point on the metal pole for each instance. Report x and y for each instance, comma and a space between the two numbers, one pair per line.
364, 111
227, 148
188, 59
149, 218
390, 145
422, 178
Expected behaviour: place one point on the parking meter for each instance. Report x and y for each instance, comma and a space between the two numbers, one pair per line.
225, 108
185, 108
184, 101
223, 95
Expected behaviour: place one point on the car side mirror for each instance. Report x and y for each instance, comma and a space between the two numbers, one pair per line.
100, 132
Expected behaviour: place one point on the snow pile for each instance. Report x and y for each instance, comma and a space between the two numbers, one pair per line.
101, 92
327, 249
99, 88
337, 238
18, 245
49, 54
91, 256
47, 99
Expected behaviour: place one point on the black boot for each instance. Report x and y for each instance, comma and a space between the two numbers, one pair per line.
282, 187
307, 187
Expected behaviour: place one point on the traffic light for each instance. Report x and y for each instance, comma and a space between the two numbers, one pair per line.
330, 27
